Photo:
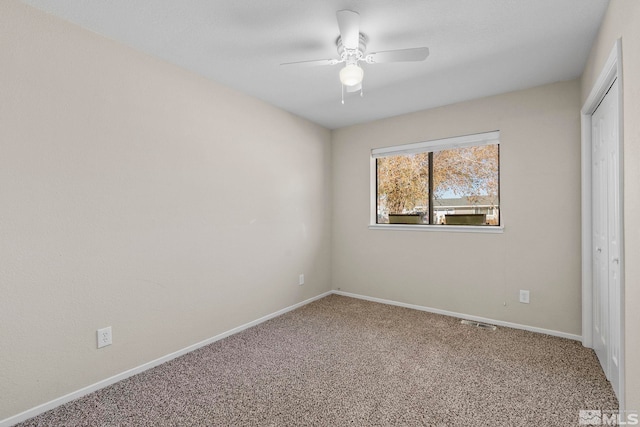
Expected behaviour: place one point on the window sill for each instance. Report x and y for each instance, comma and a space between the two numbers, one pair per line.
445, 228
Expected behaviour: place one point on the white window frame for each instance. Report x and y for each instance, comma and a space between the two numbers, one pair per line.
479, 139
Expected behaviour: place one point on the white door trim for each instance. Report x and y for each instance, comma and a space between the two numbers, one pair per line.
611, 71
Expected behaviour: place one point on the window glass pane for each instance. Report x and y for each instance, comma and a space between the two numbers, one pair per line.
466, 186
403, 189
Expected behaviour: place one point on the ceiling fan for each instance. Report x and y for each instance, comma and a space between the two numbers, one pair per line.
352, 49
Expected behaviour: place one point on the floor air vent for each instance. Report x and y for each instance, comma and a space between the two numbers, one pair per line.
479, 325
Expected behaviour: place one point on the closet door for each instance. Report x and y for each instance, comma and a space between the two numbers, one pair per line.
606, 235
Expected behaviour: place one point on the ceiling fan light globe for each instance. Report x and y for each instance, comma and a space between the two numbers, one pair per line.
351, 75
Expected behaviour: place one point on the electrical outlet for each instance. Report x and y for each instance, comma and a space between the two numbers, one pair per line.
524, 296
104, 337
301, 280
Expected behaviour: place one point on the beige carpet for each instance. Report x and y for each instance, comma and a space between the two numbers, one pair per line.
346, 362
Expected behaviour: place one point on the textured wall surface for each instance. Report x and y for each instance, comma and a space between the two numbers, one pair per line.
622, 21
474, 273
137, 195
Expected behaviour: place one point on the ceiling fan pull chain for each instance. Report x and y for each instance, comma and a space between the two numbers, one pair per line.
342, 86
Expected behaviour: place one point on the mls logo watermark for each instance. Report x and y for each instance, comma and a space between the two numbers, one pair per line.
589, 417
598, 417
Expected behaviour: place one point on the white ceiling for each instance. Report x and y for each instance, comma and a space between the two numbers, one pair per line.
478, 47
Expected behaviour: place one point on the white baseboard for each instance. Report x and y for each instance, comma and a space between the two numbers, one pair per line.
33, 412
464, 316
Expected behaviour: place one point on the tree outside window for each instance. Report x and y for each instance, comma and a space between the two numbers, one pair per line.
458, 186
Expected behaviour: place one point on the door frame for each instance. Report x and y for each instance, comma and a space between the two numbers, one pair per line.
611, 71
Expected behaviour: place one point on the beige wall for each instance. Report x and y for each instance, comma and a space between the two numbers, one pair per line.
623, 21
137, 195
474, 273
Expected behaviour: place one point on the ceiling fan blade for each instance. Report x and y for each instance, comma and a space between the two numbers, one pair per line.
399, 55
355, 88
349, 25
313, 63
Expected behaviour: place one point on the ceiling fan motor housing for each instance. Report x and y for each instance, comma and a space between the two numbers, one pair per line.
352, 56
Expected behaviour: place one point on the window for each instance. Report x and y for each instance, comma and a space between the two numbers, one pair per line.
454, 181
